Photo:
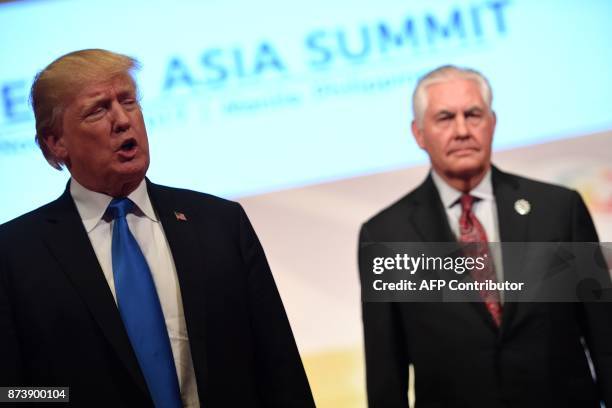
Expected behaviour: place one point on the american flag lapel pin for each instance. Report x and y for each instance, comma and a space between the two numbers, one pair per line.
180, 216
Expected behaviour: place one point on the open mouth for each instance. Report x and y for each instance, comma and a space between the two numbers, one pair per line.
128, 145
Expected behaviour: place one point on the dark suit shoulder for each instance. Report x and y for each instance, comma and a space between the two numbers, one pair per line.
556, 213
404, 206
537, 187
547, 200
391, 212
193, 198
28, 221
206, 210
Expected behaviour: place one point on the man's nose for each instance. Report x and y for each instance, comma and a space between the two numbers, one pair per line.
121, 119
461, 128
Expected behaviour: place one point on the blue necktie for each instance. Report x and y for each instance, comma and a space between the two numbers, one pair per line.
141, 311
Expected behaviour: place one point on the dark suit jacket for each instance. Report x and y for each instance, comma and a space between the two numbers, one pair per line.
59, 325
460, 358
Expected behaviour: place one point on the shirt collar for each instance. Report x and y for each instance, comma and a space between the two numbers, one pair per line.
92, 205
449, 195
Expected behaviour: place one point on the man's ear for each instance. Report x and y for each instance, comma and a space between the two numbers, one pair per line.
56, 146
418, 135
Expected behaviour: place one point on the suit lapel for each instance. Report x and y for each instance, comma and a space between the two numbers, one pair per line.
513, 228
512, 225
67, 239
179, 224
429, 216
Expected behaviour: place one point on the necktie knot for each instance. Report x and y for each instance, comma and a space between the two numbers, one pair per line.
466, 203
120, 207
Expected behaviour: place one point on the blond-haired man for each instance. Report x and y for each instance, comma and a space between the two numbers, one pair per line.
131, 293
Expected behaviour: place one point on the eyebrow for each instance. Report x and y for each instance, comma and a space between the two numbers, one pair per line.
101, 97
444, 112
92, 102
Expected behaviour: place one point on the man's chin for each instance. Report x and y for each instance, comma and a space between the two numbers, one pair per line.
127, 175
135, 168
467, 170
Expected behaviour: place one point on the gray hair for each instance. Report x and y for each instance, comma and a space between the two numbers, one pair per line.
63, 79
443, 74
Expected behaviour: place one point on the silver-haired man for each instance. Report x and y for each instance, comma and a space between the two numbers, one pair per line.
484, 353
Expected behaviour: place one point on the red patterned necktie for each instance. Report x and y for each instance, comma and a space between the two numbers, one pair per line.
472, 232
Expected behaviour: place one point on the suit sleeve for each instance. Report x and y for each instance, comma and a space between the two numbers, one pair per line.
596, 316
386, 355
280, 373
10, 366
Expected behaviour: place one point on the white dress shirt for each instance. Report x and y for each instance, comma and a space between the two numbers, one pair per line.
149, 234
485, 209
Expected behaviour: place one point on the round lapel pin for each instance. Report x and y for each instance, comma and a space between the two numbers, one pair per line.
522, 206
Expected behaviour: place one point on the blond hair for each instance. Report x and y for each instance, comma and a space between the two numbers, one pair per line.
443, 74
63, 79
